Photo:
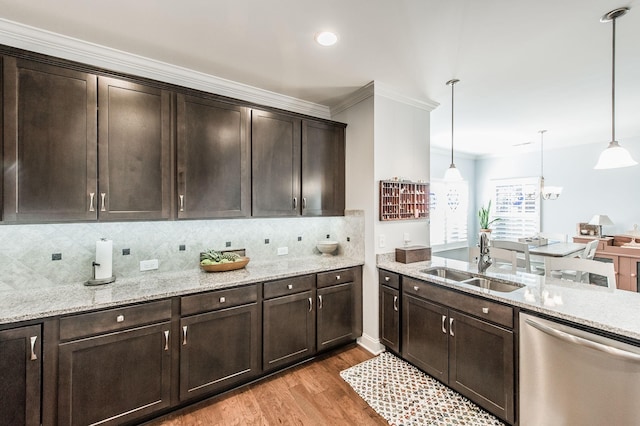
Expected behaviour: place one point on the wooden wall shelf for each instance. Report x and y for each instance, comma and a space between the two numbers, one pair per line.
403, 200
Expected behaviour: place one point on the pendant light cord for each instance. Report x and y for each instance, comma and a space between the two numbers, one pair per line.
613, 83
452, 84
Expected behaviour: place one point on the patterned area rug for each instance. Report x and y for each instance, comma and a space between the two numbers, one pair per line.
406, 396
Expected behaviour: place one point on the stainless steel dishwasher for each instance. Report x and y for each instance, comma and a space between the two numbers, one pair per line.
572, 377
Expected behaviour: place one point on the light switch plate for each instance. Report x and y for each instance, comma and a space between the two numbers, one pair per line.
283, 250
148, 265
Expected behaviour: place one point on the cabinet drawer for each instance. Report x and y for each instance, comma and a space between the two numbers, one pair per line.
478, 307
289, 286
389, 279
92, 323
219, 299
336, 277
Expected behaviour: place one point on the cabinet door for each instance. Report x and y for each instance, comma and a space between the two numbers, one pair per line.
218, 349
275, 168
20, 372
213, 159
134, 151
116, 377
289, 329
323, 158
50, 143
425, 336
390, 318
481, 364
627, 278
335, 315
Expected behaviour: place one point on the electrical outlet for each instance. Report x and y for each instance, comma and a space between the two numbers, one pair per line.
148, 265
382, 241
283, 250
56, 256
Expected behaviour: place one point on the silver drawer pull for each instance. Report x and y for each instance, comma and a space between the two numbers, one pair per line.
184, 335
223, 299
295, 203
92, 196
320, 302
181, 202
451, 326
310, 304
120, 318
387, 279
444, 318
416, 288
166, 340
395, 303
289, 286
102, 197
33, 346
485, 310
337, 277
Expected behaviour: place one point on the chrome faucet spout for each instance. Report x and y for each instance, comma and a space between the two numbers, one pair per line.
484, 259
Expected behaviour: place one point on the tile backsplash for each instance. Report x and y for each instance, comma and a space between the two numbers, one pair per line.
26, 251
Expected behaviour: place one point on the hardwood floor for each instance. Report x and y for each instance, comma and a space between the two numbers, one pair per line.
309, 394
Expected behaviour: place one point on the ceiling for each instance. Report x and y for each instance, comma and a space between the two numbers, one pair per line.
523, 65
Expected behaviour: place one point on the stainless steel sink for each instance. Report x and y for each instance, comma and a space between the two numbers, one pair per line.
448, 274
488, 284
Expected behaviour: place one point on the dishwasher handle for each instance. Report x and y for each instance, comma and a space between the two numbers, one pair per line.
568, 337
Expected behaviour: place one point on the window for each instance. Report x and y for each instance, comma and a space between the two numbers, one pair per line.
448, 211
517, 202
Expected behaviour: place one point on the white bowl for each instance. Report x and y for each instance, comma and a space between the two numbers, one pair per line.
327, 247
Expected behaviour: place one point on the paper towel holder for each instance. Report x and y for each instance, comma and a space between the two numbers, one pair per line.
100, 281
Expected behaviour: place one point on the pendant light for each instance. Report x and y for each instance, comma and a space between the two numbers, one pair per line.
452, 174
614, 156
546, 192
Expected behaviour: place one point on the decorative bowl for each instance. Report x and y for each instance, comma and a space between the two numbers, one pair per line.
223, 267
327, 247
584, 231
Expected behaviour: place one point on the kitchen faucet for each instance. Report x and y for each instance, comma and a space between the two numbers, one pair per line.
484, 259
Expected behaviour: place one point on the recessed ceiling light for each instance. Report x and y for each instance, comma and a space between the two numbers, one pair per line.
326, 38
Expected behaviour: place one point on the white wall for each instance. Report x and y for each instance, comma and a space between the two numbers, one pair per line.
586, 192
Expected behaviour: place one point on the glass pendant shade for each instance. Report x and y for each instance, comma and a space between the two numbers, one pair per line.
614, 157
452, 174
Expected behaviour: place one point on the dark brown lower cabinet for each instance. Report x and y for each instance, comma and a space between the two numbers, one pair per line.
335, 316
20, 375
389, 318
289, 327
116, 377
218, 350
458, 346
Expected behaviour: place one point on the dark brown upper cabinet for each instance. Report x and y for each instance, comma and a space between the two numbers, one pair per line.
50, 142
214, 156
275, 164
323, 174
134, 150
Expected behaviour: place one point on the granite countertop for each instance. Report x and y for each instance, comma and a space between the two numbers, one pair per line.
31, 304
614, 311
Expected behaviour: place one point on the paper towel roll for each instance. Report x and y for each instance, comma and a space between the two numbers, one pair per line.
104, 257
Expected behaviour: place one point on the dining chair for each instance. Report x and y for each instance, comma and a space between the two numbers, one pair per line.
502, 258
589, 253
524, 260
587, 266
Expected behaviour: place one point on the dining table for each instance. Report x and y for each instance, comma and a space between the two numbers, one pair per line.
557, 249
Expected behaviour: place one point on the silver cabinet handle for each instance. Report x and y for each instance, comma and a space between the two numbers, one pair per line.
568, 337
92, 196
166, 340
304, 202
181, 202
289, 286
416, 288
451, 326
485, 310
337, 277
120, 318
320, 302
444, 318
33, 346
395, 303
184, 335
103, 195
387, 279
310, 304
223, 299
295, 203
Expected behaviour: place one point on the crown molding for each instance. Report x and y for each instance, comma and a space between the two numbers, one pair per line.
354, 98
49, 43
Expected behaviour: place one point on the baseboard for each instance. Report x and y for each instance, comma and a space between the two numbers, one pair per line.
370, 344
